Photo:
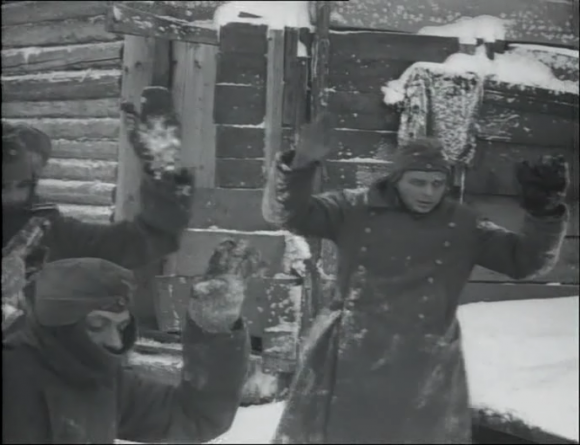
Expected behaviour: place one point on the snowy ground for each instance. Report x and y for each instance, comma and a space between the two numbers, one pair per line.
522, 359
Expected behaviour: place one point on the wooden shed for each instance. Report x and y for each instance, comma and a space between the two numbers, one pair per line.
242, 90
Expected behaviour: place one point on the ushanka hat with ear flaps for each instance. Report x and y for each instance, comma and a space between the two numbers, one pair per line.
25, 152
66, 291
422, 154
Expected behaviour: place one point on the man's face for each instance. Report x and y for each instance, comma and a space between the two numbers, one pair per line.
16, 193
422, 191
106, 328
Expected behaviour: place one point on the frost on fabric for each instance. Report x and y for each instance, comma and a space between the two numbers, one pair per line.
522, 361
274, 14
297, 251
469, 30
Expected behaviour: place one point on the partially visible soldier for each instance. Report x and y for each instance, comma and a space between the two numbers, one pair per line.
155, 231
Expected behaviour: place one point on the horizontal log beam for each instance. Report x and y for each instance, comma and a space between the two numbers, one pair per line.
98, 150
73, 109
68, 32
494, 292
151, 19
532, 21
75, 129
76, 192
81, 170
62, 85
87, 213
197, 245
239, 105
61, 58
234, 209
26, 12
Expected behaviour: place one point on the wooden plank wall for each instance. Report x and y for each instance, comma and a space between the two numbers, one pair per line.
61, 72
260, 82
364, 134
532, 21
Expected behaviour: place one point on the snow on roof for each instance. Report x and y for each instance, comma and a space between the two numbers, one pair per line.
275, 14
469, 29
522, 360
511, 67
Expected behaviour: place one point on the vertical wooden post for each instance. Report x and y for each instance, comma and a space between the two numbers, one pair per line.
139, 69
143, 65
274, 96
193, 95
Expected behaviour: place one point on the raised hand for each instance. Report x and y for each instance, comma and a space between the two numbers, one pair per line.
312, 144
544, 184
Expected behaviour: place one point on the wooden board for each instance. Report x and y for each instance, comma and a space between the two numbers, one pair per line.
240, 142
81, 170
493, 292
244, 38
98, 150
266, 301
198, 245
241, 69
62, 58
566, 270
62, 109
533, 21
163, 20
366, 111
296, 76
90, 214
274, 97
193, 93
76, 192
361, 47
26, 12
73, 85
74, 129
234, 209
494, 170
239, 105
240, 174
507, 212
68, 32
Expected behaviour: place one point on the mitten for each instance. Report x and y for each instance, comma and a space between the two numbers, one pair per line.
543, 185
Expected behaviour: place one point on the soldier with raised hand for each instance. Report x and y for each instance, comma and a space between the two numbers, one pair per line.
383, 361
166, 197
63, 375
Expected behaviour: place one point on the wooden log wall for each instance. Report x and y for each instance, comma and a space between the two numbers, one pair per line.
61, 73
516, 124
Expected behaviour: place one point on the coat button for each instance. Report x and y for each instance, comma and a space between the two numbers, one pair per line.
452, 224
431, 280
368, 230
438, 262
363, 249
421, 316
447, 244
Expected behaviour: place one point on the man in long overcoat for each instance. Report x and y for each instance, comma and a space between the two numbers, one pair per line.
383, 362
154, 233
63, 378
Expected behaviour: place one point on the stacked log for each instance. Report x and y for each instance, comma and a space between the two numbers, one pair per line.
61, 72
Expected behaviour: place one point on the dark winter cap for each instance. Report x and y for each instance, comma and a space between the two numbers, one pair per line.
68, 290
25, 152
423, 154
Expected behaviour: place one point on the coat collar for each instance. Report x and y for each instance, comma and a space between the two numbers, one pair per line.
382, 194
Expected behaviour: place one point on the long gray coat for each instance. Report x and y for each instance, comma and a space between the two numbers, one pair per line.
383, 363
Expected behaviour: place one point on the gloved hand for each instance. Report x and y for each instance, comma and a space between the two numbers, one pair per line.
217, 297
543, 185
